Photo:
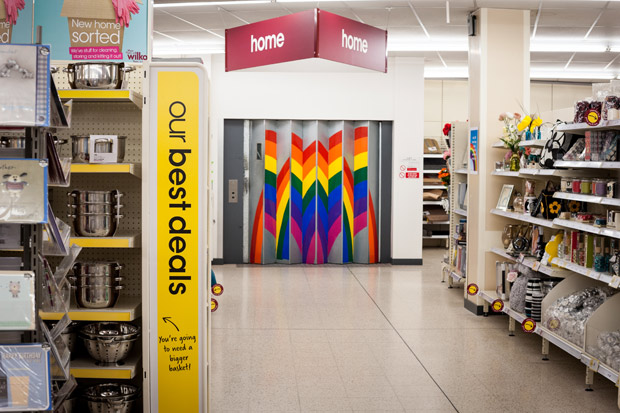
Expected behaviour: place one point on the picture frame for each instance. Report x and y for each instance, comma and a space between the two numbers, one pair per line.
504, 197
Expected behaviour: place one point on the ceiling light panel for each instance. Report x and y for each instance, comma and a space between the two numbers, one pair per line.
196, 4
164, 22
399, 17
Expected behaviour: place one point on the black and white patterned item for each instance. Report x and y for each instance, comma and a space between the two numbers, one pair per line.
533, 287
569, 314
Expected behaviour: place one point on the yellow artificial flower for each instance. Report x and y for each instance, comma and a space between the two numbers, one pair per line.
524, 123
536, 123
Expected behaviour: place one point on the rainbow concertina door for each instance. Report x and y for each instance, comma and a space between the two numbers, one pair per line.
313, 192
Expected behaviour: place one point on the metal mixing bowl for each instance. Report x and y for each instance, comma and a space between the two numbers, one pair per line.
107, 329
111, 398
108, 350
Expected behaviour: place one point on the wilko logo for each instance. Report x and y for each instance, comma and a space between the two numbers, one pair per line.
135, 56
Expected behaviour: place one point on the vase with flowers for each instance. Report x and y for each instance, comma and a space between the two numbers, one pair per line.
511, 138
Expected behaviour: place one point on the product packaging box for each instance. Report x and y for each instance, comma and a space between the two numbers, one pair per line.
589, 254
23, 191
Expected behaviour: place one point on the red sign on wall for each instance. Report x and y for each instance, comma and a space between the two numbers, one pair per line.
312, 33
348, 41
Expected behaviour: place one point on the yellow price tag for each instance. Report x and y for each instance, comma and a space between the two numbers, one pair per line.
497, 306
615, 282
528, 325
536, 266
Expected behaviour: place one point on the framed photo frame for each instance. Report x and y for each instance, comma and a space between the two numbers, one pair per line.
504, 197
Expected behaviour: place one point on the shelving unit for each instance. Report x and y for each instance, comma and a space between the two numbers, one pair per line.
434, 231
592, 364
458, 214
110, 112
562, 268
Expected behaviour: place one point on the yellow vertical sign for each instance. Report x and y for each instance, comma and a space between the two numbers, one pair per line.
178, 121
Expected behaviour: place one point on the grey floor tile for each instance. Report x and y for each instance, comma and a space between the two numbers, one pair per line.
378, 338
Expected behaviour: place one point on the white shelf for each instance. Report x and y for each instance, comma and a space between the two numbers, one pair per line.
457, 276
584, 127
608, 232
459, 211
525, 218
490, 296
433, 155
436, 237
436, 223
592, 199
537, 143
431, 171
514, 174
587, 164
529, 262
431, 202
434, 187
461, 171
588, 272
545, 172
499, 145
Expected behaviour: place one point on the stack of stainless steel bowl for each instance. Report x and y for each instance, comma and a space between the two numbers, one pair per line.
95, 213
97, 284
111, 398
109, 342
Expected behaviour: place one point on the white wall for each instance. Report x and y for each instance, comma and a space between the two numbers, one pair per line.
354, 95
446, 101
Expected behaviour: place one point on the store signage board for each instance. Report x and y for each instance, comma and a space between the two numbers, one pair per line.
283, 39
348, 41
177, 241
16, 25
305, 35
89, 30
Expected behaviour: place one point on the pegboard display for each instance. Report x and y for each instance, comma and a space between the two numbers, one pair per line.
122, 119
108, 118
133, 79
130, 187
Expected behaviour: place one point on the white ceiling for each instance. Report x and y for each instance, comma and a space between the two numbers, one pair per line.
562, 25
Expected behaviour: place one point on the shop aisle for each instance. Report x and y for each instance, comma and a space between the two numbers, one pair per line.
380, 338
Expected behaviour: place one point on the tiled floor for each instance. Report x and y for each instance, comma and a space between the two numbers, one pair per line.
378, 338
